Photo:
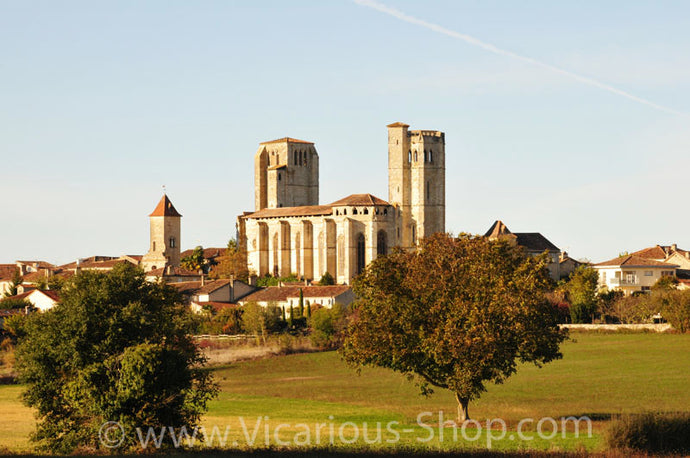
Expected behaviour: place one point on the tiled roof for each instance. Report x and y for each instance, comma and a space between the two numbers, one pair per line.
7, 271
217, 305
187, 287
40, 264
306, 210
165, 208
282, 293
212, 286
51, 294
632, 260
398, 124
534, 241
287, 140
655, 252
359, 199
174, 272
209, 253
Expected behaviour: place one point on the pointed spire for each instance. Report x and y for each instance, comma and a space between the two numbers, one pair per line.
165, 208
497, 229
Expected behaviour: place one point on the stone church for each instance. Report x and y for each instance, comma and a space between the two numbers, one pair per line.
290, 232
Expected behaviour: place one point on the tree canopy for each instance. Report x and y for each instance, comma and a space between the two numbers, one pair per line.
116, 348
457, 313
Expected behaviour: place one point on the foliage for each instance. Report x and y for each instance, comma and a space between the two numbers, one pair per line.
233, 264
14, 327
225, 321
651, 432
16, 281
607, 304
582, 294
327, 279
196, 261
260, 321
269, 280
457, 313
675, 308
666, 283
327, 326
14, 303
116, 348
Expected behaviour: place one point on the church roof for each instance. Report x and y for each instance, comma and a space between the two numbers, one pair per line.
305, 210
398, 124
359, 199
287, 140
165, 208
532, 241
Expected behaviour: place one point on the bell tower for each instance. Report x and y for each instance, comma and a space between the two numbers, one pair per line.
164, 247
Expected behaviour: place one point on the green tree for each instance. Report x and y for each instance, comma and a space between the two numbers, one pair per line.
13, 303
327, 326
195, 261
457, 313
327, 279
582, 294
301, 303
233, 264
17, 280
676, 309
666, 283
116, 348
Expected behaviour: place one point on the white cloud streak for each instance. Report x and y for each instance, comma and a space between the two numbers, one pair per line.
503, 52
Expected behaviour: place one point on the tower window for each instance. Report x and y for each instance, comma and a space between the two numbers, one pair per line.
366, 211
415, 156
431, 156
279, 177
154, 246
354, 211
385, 211
409, 156
172, 242
428, 193
295, 158
426, 158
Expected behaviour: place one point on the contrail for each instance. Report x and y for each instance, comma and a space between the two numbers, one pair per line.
503, 52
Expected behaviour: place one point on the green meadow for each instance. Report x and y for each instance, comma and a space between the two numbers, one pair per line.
315, 400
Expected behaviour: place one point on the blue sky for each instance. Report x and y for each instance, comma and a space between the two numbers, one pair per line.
104, 102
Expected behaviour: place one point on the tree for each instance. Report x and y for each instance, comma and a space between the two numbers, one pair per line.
666, 283
116, 348
195, 261
456, 313
14, 303
233, 264
582, 294
17, 280
327, 279
301, 303
260, 321
676, 309
327, 326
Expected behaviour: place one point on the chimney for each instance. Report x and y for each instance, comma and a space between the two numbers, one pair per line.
168, 270
674, 247
77, 269
203, 280
306, 282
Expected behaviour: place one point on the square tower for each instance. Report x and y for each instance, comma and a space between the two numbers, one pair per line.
165, 226
286, 174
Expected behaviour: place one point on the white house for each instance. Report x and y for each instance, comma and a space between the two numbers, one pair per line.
286, 296
632, 273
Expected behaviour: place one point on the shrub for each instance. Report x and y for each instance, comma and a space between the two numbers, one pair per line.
327, 326
14, 303
651, 432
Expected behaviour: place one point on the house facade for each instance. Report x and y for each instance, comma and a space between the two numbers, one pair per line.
632, 273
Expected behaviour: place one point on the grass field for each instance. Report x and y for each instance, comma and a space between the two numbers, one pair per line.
601, 375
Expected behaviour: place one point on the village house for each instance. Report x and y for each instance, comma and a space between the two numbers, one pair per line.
534, 244
40, 300
632, 273
286, 296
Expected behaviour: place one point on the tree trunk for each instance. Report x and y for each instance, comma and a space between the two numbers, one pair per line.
463, 414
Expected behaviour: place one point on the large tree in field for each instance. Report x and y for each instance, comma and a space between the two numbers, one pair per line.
457, 313
116, 348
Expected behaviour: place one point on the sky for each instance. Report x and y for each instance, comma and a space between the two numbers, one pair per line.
565, 118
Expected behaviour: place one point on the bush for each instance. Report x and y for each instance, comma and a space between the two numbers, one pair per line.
327, 326
651, 432
13, 303
582, 313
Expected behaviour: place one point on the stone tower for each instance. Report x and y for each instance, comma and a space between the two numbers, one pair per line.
286, 174
164, 249
417, 181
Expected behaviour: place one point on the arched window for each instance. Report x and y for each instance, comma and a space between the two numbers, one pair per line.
354, 211
295, 157
381, 243
409, 156
154, 246
385, 211
428, 193
279, 177
361, 251
344, 211
366, 211
172, 242
415, 156
431, 156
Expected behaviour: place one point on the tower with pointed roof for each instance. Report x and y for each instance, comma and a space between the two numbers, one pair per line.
286, 174
164, 247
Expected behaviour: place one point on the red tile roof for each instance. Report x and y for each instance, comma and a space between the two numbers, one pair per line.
209, 253
282, 293
165, 208
655, 252
174, 272
286, 140
359, 199
40, 264
306, 210
217, 305
7, 271
212, 286
634, 261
